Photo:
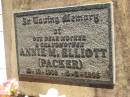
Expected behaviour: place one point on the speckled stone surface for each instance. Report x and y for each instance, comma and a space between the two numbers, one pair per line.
72, 45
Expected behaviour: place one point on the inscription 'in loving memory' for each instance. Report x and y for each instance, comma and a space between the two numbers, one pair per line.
56, 20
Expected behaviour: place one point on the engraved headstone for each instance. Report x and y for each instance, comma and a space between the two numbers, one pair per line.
72, 45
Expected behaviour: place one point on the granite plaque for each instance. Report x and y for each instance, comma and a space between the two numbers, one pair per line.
71, 45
